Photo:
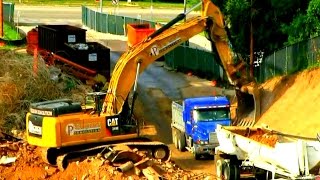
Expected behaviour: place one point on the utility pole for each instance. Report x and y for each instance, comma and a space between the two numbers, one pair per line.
101, 6
151, 10
251, 43
1, 18
185, 19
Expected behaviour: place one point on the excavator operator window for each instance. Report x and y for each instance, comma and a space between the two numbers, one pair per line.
97, 98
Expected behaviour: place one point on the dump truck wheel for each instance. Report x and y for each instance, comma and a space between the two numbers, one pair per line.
231, 171
197, 156
181, 141
220, 165
227, 171
236, 172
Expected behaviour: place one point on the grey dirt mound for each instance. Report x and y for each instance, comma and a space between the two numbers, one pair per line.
290, 104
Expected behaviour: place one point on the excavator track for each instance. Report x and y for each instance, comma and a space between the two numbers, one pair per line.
61, 158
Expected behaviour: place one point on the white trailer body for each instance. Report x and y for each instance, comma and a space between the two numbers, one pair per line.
289, 157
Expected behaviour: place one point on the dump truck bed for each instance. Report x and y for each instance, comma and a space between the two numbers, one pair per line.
273, 151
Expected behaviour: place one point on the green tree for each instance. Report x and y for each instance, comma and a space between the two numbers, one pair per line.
267, 16
305, 25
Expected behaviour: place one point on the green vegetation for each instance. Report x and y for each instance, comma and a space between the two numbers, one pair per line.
20, 86
10, 33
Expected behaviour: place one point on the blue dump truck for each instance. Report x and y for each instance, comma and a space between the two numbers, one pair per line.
194, 121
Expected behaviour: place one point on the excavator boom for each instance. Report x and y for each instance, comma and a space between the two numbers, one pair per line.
134, 61
145, 53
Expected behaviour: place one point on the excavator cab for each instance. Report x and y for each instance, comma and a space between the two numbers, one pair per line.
97, 99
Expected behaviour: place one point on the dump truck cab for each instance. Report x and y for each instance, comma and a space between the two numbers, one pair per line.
194, 121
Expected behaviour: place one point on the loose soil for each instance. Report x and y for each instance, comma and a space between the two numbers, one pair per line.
291, 104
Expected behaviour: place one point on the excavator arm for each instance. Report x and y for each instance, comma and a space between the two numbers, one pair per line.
134, 61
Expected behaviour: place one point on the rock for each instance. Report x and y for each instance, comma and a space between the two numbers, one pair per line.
185, 177
85, 176
137, 171
51, 171
111, 170
208, 178
169, 165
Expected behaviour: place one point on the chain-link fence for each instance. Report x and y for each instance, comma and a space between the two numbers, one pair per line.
109, 23
183, 58
290, 59
283, 62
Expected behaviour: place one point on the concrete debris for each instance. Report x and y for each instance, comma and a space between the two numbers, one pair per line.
126, 166
151, 174
123, 162
7, 160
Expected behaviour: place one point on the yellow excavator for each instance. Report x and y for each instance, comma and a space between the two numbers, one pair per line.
66, 129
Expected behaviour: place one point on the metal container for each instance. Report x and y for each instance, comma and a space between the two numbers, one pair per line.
53, 37
92, 55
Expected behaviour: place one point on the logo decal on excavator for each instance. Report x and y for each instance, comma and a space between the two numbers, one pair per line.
155, 51
78, 129
112, 122
169, 45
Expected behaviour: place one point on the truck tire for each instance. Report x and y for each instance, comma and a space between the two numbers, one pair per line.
260, 174
174, 138
220, 165
227, 171
236, 172
230, 171
196, 156
181, 141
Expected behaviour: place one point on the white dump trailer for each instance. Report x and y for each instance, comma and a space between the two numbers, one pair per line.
265, 153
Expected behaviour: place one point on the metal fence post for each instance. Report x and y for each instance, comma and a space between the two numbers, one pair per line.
286, 68
107, 23
124, 26
274, 63
95, 20
115, 20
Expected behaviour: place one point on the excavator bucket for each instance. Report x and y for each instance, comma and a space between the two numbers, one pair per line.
248, 105
247, 92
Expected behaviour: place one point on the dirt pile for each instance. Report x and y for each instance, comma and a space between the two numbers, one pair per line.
290, 104
29, 165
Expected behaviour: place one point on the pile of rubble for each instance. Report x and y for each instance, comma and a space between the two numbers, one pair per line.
19, 160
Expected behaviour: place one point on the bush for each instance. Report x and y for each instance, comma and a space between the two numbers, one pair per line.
19, 86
